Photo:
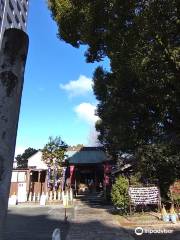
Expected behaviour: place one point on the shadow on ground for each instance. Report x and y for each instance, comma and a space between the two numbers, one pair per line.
35, 224
38, 224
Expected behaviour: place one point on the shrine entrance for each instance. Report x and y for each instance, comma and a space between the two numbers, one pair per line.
86, 168
88, 178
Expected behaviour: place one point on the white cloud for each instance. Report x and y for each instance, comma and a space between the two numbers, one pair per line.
78, 87
19, 150
86, 112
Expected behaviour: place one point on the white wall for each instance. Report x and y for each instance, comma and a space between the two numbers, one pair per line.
36, 161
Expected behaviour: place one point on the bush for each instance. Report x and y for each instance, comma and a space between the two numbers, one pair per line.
135, 180
119, 194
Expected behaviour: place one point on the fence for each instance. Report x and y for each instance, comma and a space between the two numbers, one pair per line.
51, 197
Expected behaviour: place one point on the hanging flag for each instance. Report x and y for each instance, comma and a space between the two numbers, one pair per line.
63, 178
56, 176
49, 177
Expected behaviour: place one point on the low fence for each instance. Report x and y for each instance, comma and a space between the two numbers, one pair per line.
51, 197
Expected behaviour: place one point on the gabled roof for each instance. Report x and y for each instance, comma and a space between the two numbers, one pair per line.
86, 155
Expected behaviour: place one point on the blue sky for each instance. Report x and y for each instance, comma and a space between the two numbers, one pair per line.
57, 96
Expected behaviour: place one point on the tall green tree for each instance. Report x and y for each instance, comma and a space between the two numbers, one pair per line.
22, 159
139, 97
159, 162
53, 155
54, 151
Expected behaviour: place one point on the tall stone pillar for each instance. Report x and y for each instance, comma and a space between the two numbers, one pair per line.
13, 55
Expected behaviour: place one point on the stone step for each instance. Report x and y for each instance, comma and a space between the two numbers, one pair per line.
91, 199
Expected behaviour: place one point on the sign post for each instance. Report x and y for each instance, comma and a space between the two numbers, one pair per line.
65, 203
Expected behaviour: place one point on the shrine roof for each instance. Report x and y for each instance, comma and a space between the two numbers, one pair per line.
86, 155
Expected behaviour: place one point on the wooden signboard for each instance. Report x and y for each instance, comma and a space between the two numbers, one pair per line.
144, 195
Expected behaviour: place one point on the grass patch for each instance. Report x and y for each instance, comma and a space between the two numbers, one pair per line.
139, 219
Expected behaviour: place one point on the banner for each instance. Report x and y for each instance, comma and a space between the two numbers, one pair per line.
144, 195
63, 178
107, 168
56, 176
49, 177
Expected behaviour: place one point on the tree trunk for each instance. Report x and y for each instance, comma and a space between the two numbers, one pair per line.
13, 55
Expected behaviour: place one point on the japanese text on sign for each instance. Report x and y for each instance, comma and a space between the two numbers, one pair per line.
144, 195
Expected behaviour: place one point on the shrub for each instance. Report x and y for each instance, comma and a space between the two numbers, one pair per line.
135, 180
119, 194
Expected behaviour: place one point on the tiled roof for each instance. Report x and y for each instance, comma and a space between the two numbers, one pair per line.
86, 155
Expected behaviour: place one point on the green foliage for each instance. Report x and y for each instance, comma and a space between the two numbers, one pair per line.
119, 194
54, 151
21, 159
175, 190
139, 97
176, 198
135, 180
162, 162
174, 193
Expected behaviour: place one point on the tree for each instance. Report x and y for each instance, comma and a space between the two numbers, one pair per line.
119, 194
53, 155
22, 158
140, 91
139, 98
159, 162
54, 150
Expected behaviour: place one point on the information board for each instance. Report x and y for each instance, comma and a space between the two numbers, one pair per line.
144, 195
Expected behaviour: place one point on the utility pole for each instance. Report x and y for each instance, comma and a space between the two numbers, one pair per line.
13, 55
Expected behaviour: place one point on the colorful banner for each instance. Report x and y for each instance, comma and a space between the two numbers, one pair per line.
63, 178
107, 172
49, 177
55, 176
